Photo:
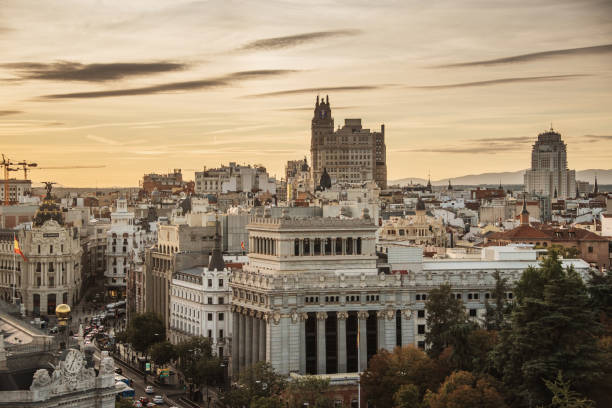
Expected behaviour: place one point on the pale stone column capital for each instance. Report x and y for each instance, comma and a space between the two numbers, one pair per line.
362, 315
259, 315
342, 315
321, 315
380, 314
303, 316
252, 313
407, 313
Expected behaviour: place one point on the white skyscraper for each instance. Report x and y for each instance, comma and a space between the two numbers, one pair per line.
549, 175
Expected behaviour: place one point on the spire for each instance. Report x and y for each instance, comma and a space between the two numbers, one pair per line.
555, 196
596, 188
450, 187
577, 192
524, 216
500, 186
216, 258
317, 104
327, 99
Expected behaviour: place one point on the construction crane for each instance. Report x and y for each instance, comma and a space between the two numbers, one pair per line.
7, 163
24, 165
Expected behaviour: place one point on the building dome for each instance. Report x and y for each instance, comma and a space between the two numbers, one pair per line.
325, 181
420, 205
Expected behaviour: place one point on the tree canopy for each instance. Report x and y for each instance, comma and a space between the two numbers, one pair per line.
144, 330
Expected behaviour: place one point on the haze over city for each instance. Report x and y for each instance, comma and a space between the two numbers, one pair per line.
462, 87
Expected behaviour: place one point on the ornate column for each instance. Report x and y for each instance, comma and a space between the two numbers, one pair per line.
390, 329
255, 337
303, 318
262, 337
343, 246
333, 246
363, 339
321, 354
248, 347
407, 328
341, 331
241, 338
235, 347
380, 330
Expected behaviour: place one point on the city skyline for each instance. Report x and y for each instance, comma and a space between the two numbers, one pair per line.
150, 86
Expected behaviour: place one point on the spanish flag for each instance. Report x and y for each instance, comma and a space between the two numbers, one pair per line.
18, 251
242, 245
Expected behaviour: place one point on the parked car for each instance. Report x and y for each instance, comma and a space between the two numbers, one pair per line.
143, 400
158, 399
149, 389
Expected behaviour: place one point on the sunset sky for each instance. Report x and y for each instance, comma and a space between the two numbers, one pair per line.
137, 86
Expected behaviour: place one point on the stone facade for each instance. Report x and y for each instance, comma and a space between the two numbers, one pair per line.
313, 287
200, 306
350, 154
52, 273
549, 174
178, 247
124, 239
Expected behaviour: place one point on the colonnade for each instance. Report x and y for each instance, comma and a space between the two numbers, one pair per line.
265, 246
248, 337
324, 342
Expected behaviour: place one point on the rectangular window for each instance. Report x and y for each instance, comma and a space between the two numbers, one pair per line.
472, 312
209, 333
221, 333
421, 329
210, 283
50, 249
421, 345
221, 300
421, 313
220, 317
210, 317
210, 301
220, 283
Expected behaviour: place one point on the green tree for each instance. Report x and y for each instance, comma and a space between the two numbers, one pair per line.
464, 390
407, 397
124, 403
564, 396
258, 382
144, 330
552, 328
308, 389
388, 371
197, 362
163, 352
445, 315
496, 312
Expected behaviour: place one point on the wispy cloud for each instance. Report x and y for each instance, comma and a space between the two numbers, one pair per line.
597, 49
295, 40
311, 108
491, 145
75, 71
501, 81
175, 86
321, 89
9, 112
597, 138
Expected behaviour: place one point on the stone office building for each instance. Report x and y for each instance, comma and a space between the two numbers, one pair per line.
350, 154
313, 287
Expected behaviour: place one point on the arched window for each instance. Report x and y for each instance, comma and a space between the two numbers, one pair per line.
317, 246
358, 246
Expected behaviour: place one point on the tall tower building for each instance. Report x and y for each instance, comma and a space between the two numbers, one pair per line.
350, 154
549, 172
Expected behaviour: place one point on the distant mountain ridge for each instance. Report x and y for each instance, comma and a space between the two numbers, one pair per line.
511, 177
